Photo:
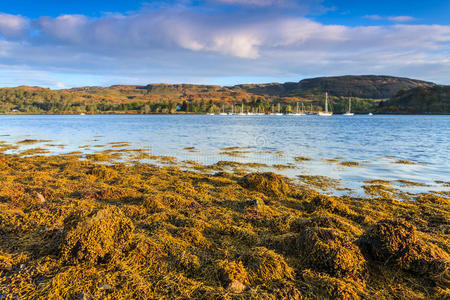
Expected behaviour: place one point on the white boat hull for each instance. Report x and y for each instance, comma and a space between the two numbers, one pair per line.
349, 114
325, 114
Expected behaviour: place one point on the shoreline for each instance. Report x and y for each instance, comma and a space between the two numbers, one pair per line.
196, 114
72, 227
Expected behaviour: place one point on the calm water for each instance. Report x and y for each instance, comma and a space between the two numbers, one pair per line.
376, 142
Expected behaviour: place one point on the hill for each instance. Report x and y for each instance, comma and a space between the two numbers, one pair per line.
366, 91
419, 100
365, 86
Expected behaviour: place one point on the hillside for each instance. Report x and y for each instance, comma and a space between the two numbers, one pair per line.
366, 86
366, 92
419, 100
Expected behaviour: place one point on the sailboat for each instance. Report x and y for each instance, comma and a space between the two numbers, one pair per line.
310, 112
242, 110
325, 113
259, 113
232, 110
297, 113
223, 113
349, 113
278, 113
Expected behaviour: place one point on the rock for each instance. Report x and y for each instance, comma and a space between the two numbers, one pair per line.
40, 197
105, 287
84, 296
236, 287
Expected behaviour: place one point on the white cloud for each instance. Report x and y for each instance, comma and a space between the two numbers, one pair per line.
401, 18
12, 26
396, 19
185, 45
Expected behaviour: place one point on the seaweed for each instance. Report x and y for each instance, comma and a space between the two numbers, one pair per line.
267, 183
74, 227
96, 239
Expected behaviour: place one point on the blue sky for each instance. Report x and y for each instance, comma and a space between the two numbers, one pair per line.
61, 44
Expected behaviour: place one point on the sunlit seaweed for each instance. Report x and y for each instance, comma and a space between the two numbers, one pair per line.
301, 158
350, 163
97, 228
31, 142
405, 162
320, 182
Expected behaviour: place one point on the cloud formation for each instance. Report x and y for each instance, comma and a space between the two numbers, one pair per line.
12, 26
173, 43
398, 19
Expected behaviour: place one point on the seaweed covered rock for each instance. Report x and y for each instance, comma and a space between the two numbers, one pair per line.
232, 275
326, 203
327, 250
267, 183
96, 239
396, 242
388, 240
322, 286
265, 265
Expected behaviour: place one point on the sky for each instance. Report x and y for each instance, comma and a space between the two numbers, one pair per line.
63, 44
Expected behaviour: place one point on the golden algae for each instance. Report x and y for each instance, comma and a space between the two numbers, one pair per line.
74, 227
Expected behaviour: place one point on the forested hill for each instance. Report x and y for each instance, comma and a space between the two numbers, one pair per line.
419, 100
364, 86
367, 86
366, 91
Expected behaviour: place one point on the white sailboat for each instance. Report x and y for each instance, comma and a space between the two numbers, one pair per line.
232, 110
349, 113
297, 112
278, 113
223, 113
242, 110
325, 113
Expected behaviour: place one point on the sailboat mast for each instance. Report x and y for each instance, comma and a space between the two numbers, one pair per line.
326, 102
349, 104
297, 107
303, 108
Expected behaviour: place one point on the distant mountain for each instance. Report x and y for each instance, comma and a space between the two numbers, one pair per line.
420, 100
364, 86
